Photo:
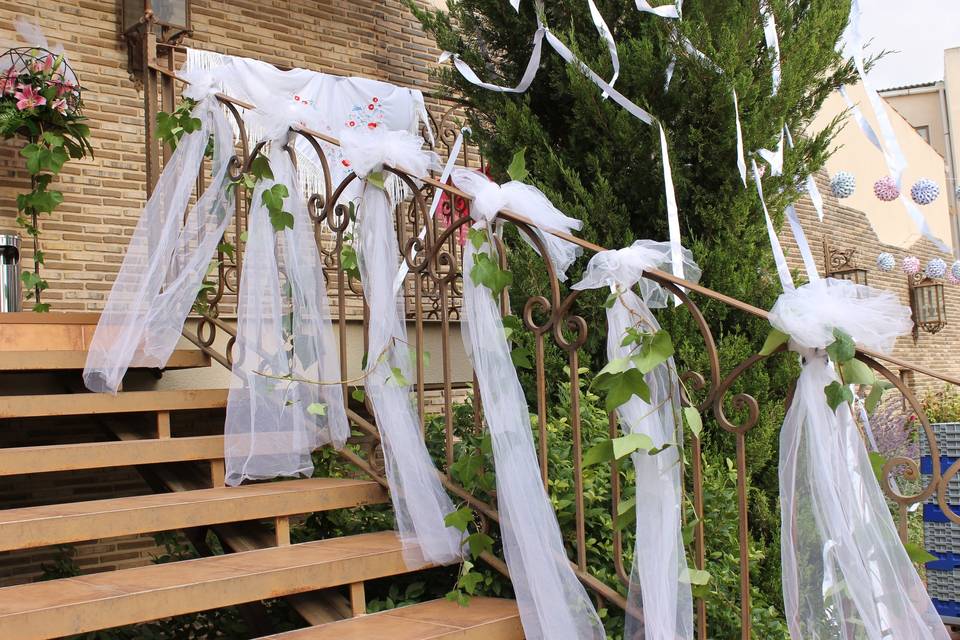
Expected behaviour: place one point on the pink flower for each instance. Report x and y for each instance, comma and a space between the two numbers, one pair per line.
370, 107
375, 99
43, 66
8, 84
64, 88
352, 123
59, 105
27, 98
372, 125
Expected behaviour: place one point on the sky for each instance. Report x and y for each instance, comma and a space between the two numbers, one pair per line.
917, 31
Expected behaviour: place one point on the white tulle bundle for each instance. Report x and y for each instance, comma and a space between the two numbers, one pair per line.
660, 605
277, 410
489, 198
553, 604
167, 257
420, 503
846, 574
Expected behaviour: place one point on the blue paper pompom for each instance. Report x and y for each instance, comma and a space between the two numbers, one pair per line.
936, 269
924, 191
886, 262
955, 270
843, 184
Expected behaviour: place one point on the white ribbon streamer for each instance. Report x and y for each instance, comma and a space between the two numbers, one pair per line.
437, 196
419, 501
167, 257
846, 574
553, 604
783, 271
773, 44
741, 157
664, 11
659, 603
604, 31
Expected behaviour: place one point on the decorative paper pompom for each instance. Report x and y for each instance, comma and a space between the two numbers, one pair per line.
886, 189
955, 269
924, 191
886, 262
952, 279
936, 269
843, 184
910, 265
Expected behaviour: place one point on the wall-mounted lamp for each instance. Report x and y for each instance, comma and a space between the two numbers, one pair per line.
167, 20
927, 304
842, 264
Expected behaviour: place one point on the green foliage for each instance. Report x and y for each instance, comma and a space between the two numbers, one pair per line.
171, 127
942, 406
273, 200
487, 272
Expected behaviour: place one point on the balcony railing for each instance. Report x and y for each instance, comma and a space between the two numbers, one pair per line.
433, 291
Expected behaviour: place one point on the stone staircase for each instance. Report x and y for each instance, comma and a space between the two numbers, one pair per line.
186, 472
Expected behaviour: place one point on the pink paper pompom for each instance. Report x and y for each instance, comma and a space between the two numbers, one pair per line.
910, 265
886, 189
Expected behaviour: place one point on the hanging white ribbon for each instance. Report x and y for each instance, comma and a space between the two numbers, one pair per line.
167, 257
664, 11
773, 44
741, 156
812, 190
553, 604
845, 570
659, 602
604, 31
420, 503
437, 196
783, 271
273, 424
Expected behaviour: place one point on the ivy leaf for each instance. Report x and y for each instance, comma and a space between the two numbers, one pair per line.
843, 348
358, 394
511, 325
694, 420
317, 409
837, 394
518, 166
478, 543
377, 179
875, 395
697, 577
41, 307
469, 581
918, 554
281, 220
486, 272
611, 300
774, 339
227, 249
521, 358
655, 350
877, 461
260, 168
476, 237
349, 262
621, 387
617, 448
459, 519
397, 377
856, 372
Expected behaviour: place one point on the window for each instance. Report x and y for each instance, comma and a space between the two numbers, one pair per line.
923, 132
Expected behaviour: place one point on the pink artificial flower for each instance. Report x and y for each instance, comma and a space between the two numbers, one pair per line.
42, 66
64, 88
8, 84
28, 98
59, 105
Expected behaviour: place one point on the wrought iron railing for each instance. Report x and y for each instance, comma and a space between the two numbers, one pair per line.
433, 292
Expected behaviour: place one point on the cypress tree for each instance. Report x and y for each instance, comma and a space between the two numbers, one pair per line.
598, 163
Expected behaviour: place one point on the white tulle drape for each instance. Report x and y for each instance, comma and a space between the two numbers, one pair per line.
277, 413
420, 503
846, 575
660, 605
167, 257
553, 604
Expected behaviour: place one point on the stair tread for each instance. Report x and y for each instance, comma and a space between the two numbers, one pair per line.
102, 600
486, 618
69, 404
75, 521
96, 455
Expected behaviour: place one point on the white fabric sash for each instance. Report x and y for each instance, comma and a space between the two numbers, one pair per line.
274, 424
167, 257
553, 604
659, 605
846, 573
420, 503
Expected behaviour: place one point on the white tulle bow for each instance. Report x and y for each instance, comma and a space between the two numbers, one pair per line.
809, 314
368, 151
489, 199
202, 84
845, 572
623, 268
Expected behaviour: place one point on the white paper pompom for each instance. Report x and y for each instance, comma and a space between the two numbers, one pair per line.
886, 262
936, 269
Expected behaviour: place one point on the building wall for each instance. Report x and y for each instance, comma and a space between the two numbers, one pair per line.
920, 107
855, 154
951, 82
